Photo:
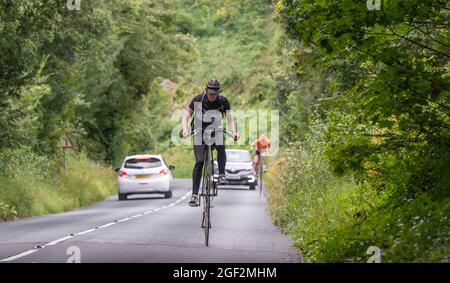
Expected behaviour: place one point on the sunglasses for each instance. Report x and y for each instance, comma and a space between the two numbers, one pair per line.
213, 93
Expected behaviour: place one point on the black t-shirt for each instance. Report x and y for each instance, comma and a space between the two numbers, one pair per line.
221, 104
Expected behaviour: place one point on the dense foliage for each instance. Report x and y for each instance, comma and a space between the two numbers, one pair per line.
89, 73
372, 89
394, 104
237, 42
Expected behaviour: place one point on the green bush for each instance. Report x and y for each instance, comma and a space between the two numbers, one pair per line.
182, 157
309, 202
28, 189
332, 219
86, 180
7, 212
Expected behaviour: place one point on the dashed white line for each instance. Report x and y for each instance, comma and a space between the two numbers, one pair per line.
106, 225
58, 241
52, 243
85, 232
19, 255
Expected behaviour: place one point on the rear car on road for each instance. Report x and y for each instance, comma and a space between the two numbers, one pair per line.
144, 174
239, 169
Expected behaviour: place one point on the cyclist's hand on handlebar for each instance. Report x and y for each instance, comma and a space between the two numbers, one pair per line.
184, 133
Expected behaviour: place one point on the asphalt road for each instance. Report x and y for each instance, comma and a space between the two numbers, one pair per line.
150, 228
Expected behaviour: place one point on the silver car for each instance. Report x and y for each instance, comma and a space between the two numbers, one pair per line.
239, 169
144, 174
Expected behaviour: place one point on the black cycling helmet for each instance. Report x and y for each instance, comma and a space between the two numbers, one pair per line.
213, 85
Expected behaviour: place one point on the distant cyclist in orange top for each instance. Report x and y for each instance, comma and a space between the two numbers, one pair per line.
262, 145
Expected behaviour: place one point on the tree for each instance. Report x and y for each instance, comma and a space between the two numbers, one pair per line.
400, 99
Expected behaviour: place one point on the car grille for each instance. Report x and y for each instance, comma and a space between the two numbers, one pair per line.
233, 171
245, 171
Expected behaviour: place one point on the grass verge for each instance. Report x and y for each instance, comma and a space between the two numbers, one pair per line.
334, 220
29, 189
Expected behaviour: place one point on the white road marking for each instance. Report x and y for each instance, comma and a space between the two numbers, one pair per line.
52, 243
18, 256
85, 232
106, 225
58, 241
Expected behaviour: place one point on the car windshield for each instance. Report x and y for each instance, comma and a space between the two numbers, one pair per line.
239, 156
143, 163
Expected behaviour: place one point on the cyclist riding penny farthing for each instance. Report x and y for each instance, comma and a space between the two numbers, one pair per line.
207, 109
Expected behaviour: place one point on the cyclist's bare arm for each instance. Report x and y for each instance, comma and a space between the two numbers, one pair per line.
230, 122
185, 121
253, 144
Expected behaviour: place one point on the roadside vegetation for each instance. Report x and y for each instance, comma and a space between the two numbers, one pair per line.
31, 186
366, 131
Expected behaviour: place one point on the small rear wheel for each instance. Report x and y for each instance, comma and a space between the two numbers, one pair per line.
252, 187
206, 218
122, 197
168, 194
260, 178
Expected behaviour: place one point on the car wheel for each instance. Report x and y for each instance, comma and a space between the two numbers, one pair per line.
123, 197
168, 194
252, 187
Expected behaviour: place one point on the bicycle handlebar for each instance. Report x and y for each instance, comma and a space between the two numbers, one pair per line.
208, 130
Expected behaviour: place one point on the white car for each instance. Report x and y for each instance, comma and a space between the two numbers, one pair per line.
144, 174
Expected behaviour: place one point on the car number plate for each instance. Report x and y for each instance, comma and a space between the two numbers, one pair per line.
140, 177
233, 177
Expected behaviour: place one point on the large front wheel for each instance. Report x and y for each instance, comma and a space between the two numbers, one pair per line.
207, 191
